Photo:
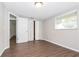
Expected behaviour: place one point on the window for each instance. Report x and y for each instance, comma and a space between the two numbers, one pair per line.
66, 21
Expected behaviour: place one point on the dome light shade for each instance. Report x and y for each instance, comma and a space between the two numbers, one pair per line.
38, 4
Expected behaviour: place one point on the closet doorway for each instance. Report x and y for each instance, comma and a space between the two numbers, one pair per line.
12, 30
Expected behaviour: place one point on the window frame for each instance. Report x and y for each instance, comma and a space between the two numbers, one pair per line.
66, 14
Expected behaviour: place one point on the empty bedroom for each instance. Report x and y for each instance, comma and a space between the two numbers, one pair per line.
39, 29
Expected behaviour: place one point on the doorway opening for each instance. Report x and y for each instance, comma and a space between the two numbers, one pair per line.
34, 30
12, 31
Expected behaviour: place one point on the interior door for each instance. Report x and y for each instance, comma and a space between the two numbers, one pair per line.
22, 30
31, 29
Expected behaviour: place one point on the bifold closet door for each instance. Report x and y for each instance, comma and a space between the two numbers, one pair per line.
22, 30
37, 30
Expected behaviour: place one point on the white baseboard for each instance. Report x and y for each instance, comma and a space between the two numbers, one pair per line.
3, 51
76, 50
21, 41
25, 41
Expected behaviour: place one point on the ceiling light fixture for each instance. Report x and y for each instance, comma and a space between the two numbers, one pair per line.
38, 4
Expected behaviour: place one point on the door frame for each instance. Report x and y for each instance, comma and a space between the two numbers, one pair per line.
9, 26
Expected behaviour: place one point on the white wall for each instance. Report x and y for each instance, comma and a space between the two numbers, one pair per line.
6, 28
3, 28
65, 38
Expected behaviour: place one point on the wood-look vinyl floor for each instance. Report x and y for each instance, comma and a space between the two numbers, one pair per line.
38, 48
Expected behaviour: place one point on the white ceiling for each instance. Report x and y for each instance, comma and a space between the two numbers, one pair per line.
28, 9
